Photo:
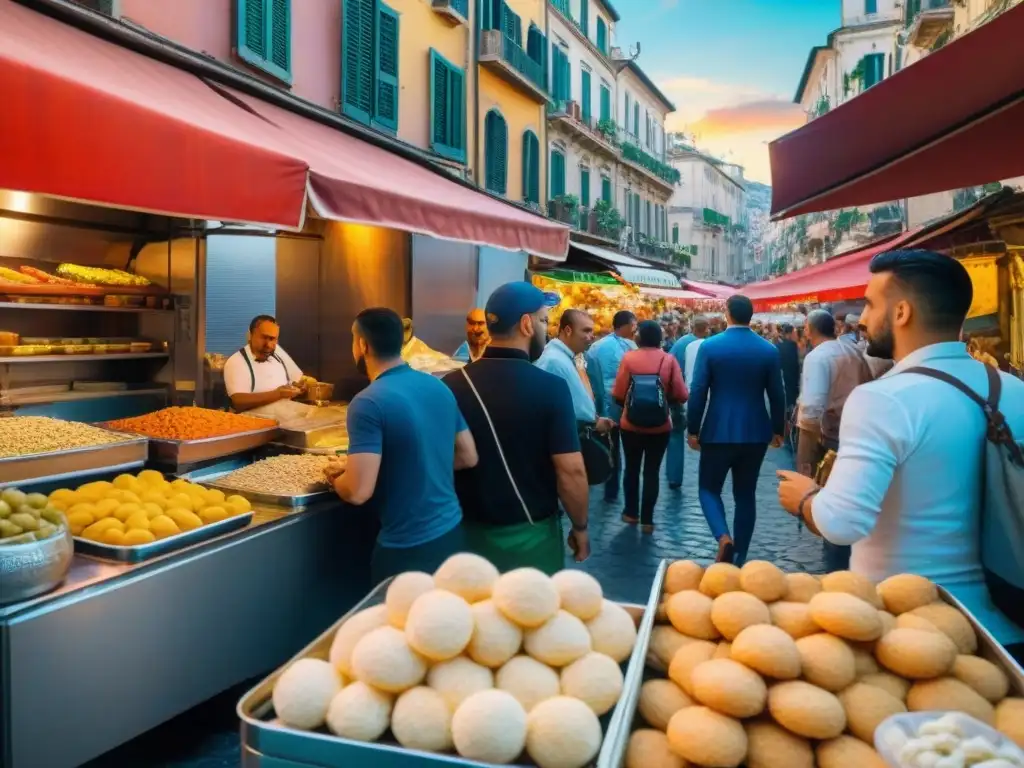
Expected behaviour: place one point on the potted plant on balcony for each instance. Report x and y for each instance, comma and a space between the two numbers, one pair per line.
609, 221
608, 129
565, 208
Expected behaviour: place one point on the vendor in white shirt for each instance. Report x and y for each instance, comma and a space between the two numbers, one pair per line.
261, 374
905, 489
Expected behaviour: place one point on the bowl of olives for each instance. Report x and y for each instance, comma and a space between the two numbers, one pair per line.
35, 546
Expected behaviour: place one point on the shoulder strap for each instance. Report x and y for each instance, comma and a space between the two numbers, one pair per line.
252, 373
998, 430
287, 375
497, 443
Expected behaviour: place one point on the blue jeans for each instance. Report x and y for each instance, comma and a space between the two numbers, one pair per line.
744, 460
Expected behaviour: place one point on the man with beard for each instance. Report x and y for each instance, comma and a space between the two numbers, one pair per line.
905, 490
524, 424
473, 347
406, 439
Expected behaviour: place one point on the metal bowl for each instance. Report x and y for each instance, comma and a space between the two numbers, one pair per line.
320, 392
28, 570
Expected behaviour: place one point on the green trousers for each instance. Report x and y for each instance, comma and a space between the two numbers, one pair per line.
539, 545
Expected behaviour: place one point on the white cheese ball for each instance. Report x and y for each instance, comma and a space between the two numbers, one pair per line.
458, 679
612, 631
359, 712
596, 680
439, 625
304, 691
469, 576
422, 720
562, 733
490, 727
495, 638
579, 592
351, 632
384, 659
528, 680
558, 641
526, 596
402, 593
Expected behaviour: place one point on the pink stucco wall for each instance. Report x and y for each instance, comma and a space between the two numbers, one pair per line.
208, 26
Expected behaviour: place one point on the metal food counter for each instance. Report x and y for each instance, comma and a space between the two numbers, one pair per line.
120, 648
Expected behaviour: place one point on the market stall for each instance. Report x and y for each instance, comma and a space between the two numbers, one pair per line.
600, 295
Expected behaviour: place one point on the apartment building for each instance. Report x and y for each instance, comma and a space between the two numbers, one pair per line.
582, 144
707, 214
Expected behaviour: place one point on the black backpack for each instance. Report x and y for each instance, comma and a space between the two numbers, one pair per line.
646, 402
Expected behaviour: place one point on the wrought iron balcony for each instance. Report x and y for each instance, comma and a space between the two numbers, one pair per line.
505, 58
927, 21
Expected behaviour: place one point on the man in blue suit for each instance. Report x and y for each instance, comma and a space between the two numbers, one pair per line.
729, 424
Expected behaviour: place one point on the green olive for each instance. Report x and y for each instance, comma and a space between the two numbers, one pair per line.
46, 530
13, 496
5, 510
25, 521
37, 500
53, 515
7, 528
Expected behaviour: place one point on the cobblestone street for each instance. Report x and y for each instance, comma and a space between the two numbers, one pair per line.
623, 560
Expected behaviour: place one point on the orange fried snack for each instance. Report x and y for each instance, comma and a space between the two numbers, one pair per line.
189, 423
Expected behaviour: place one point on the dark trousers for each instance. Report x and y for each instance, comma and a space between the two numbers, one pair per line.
644, 452
611, 487
391, 561
744, 460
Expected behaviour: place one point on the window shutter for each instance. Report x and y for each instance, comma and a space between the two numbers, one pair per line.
531, 167
447, 108
280, 36
625, 120
385, 110
495, 153
606, 189
512, 25
870, 6
675, 234
439, 107
585, 187
602, 36
606, 103
357, 59
585, 17
252, 23
557, 172
585, 94
636, 120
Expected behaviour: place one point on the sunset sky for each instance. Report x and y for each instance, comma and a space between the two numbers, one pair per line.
730, 66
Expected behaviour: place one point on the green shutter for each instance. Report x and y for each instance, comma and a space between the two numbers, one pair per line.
263, 36
447, 108
531, 168
385, 112
357, 59
606, 103
636, 121
602, 36
585, 94
585, 17
606, 189
557, 173
512, 25
675, 234
585, 187
495, 153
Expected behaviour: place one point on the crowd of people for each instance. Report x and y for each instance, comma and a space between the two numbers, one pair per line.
887, 454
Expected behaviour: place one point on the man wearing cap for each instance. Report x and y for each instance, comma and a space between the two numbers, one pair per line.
524, 424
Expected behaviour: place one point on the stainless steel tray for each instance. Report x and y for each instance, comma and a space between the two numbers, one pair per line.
286, 448
210, 477
988, 647
307, 438
142, 552
266, 743
175, 454
74, 463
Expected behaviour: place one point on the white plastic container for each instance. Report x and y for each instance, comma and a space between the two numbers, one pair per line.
894, 733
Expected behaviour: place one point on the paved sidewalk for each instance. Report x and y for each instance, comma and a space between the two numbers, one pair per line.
623, 560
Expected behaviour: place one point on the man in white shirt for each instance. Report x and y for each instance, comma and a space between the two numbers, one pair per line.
261, 374
563, 356
905, 489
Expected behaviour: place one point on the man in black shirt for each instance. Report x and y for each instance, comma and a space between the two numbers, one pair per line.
525, 427
789, 355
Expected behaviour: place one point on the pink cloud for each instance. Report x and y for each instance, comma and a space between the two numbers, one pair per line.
764, 116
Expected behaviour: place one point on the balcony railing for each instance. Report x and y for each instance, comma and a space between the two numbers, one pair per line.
916, 7
663, 171
600, 133
713, 218
513, 63
927, 20
580, 218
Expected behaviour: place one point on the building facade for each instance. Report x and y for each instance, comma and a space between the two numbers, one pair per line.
707, 215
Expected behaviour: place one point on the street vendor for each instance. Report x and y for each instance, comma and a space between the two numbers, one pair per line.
473, 347
261, 375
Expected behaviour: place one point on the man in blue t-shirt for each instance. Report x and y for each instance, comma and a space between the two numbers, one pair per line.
406, 439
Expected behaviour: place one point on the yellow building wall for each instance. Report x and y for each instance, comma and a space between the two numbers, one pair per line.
422, 28
521, 113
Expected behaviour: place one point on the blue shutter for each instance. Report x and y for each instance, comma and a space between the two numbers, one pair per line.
870, 6
585, 17
447, 108
531, 168
263, 35
385, 112
585, 187
495, 153
602, 36
280, 37
585, 94
357, 59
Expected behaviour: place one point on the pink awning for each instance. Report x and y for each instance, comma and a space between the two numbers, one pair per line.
710, 289
352, 180
678, 295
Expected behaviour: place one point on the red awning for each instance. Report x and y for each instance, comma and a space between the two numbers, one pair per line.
710, 289
88, 120
351, 180
914, 133
842, 278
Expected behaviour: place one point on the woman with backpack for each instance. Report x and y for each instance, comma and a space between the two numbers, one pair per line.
648, 383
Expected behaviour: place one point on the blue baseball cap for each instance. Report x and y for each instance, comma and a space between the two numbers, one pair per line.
511, 301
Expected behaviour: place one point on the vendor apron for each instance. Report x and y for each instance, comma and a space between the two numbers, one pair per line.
523, 545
